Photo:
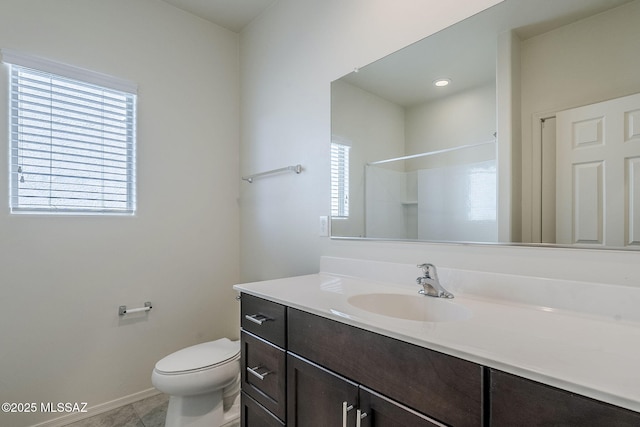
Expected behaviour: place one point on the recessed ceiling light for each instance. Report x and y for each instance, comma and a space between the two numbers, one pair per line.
441, 82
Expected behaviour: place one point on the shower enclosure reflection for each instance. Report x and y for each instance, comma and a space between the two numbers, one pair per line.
427, 199
447, 191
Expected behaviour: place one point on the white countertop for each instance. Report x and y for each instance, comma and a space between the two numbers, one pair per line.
591, 355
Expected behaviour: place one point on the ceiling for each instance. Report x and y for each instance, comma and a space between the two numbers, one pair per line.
231, 14
466, 52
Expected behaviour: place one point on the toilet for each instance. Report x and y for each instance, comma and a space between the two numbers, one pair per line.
203, 384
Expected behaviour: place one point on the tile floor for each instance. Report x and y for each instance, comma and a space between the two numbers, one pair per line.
148, 412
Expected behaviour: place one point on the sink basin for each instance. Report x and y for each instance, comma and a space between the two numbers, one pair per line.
411, 307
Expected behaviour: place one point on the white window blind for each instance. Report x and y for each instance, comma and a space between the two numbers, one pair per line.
339, 180
72, 145
481, 199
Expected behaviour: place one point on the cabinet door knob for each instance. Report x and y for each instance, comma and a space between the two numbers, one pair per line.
345, 408
359, 417
254, 372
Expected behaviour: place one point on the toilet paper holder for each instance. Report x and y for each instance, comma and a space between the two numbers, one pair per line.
122, 310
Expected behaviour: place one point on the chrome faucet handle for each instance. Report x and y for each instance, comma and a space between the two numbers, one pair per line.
427, 268
430, 284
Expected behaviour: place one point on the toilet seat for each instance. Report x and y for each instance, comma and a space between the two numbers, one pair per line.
199, 357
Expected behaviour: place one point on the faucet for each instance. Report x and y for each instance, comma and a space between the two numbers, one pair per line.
431, 284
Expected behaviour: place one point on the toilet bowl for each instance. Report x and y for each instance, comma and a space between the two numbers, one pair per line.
203, 384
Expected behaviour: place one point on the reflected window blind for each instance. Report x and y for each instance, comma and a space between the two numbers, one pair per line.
72, 145
481, 199
339, 180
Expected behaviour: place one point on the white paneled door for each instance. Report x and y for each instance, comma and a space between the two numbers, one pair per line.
598, 174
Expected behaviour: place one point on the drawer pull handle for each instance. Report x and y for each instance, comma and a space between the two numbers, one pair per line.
254, 372
258, 319
359, 416
345, 408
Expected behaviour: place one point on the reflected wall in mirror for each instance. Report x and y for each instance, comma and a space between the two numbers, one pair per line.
535, 139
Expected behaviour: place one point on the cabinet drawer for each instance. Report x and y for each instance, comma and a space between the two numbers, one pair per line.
255, 415
263, 373
263, 318
520, 402
386, 412
443, 387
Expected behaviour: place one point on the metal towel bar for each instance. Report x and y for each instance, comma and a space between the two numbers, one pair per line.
295, 168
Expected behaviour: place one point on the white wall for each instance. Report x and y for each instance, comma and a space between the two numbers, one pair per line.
463, 118
63, 277
289, 56
386, 215
374, 128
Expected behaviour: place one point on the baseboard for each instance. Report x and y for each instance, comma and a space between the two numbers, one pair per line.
98, 409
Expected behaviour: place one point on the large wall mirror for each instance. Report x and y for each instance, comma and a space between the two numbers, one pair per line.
520, 124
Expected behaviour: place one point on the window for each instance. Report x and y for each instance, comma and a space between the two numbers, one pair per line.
481, 198
72, 139
339, 180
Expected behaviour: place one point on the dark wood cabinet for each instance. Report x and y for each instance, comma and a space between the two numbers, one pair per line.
292, 390
443, 387
516, 401
253, 414
263, 373
315, 371
383, 412
262, 362
263, 318
318, 397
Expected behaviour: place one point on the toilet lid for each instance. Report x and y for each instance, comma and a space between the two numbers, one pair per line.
200, 356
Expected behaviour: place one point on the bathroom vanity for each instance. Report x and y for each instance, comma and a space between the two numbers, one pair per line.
312, 357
